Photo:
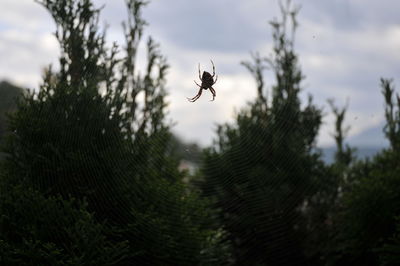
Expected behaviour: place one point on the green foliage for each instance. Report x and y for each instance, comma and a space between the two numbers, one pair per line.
321, 206
96, 131
260, 169
389, 254
344, 154
183, 229
365, 221
392, 113
35, 230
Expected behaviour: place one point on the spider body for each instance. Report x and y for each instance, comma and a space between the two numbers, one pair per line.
207, 81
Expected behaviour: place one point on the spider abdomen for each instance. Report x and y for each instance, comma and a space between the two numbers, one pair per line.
207, 80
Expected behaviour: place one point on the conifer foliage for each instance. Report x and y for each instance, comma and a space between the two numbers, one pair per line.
95, 132
260, 168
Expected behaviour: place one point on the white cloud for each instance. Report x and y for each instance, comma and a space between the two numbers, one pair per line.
24, 14
344, 48
25, 54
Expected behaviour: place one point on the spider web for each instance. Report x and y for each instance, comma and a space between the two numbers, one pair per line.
83, 156
243, 199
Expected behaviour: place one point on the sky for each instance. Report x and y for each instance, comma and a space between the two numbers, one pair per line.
344, 48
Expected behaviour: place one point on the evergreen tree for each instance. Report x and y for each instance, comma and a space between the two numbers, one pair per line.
39, 230
344, 154
327, 187
365, 222
96, 131
392, 114
260, 169
389, 254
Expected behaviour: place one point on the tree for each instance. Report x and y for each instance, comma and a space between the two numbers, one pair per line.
96, 132
38, 230
321, 206
389, 254
392, 127
260, 168
365, 222
344, 154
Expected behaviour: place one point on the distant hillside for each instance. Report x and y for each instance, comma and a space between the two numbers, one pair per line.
328, 154
8, 94
367, 143
372, 137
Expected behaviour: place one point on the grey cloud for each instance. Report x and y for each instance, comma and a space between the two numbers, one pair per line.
345, 15
209, 25
193, 31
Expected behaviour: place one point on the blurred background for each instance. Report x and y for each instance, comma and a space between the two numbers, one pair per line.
344, 48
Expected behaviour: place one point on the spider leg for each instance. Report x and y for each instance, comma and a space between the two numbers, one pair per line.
213, 68
199, 72
215, 81
195, 97
197, 84
213, 93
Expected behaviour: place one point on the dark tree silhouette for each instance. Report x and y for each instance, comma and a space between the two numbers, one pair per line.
260, 168
96, 131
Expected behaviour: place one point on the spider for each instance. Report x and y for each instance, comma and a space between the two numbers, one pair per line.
206, 83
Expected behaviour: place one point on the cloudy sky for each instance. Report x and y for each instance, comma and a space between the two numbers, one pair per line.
344, 48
